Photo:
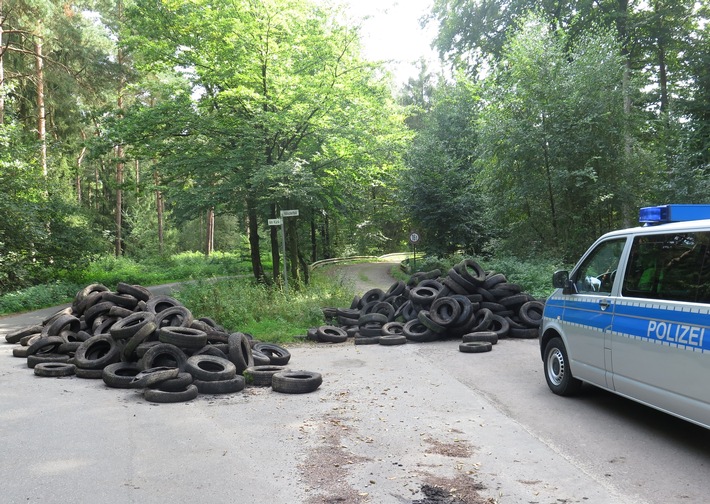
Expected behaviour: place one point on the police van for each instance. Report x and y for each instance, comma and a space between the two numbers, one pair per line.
633, 316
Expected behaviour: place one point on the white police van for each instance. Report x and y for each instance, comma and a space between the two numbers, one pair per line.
633, 316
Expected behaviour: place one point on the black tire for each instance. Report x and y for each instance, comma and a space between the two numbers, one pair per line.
46, 345
557, 370
331, 334
120, 374
472, 271
483, 320
528, 333
384, 308
485, 336
161, 396
418, 332
163, 354
175, 384
182, 337
260, 376
475, 347
278, 355
240, 352
395, 289
371, 330
260, 359
89, 374
128, 326
97, 352
19, 352
145, 333
123, 300
445, 311
175, 316
93, 312
365, 340
425, 318
153, 376
515, 301
54, 369
372, 295
296, 382
372, 318
392, 328
210, 368
62, 323
393, 339
137, 291
531, 313
16, 336
461, 280
234, 384
212, 350
156, 304
500, 326
423, 295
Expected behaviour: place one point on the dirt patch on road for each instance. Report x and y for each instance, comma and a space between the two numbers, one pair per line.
328, 467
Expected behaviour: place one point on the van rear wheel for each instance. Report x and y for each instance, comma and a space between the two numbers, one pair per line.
557, 371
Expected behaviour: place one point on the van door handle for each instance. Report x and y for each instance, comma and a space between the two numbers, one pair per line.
604, 304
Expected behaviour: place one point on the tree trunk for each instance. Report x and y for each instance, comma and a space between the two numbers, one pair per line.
119, 148
41, 112
159, 206
209, 243
623, 34
2, 68
79, 166
292, 249
256, 266
119, 197
314, 242
275, 254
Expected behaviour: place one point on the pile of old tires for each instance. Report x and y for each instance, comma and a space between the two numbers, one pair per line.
130, 338
467, 303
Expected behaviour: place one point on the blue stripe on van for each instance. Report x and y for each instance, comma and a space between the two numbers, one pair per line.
667, 324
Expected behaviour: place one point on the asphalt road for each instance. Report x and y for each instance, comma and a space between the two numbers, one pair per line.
385, 421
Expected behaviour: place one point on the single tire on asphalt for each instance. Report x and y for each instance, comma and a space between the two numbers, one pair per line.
296, 382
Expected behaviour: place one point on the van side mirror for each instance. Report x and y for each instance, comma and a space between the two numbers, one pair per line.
560, 279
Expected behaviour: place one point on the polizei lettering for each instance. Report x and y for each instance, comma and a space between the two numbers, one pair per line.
676, 333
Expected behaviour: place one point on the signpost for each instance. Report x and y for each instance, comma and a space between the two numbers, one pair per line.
279, 222
413, 239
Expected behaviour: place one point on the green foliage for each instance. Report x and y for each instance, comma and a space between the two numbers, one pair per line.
438, 190
109, 270
266, 313
553, 145
38, 296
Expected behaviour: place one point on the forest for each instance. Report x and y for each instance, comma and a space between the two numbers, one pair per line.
141, 129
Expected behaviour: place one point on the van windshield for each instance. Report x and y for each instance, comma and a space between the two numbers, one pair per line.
598, 271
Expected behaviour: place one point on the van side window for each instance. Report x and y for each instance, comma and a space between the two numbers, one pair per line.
598, 271
675, 267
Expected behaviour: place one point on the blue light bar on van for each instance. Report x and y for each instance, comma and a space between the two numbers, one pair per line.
673, 213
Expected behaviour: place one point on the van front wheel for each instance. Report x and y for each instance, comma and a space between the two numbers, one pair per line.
557, 371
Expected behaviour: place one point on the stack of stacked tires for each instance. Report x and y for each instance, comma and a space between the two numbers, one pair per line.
466, 303
131, 338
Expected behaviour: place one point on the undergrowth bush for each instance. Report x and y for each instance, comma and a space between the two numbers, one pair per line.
265, 312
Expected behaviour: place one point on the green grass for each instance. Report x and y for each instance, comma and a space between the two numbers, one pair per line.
110, 270
265, 312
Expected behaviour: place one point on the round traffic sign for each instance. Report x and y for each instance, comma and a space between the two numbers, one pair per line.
414, 237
